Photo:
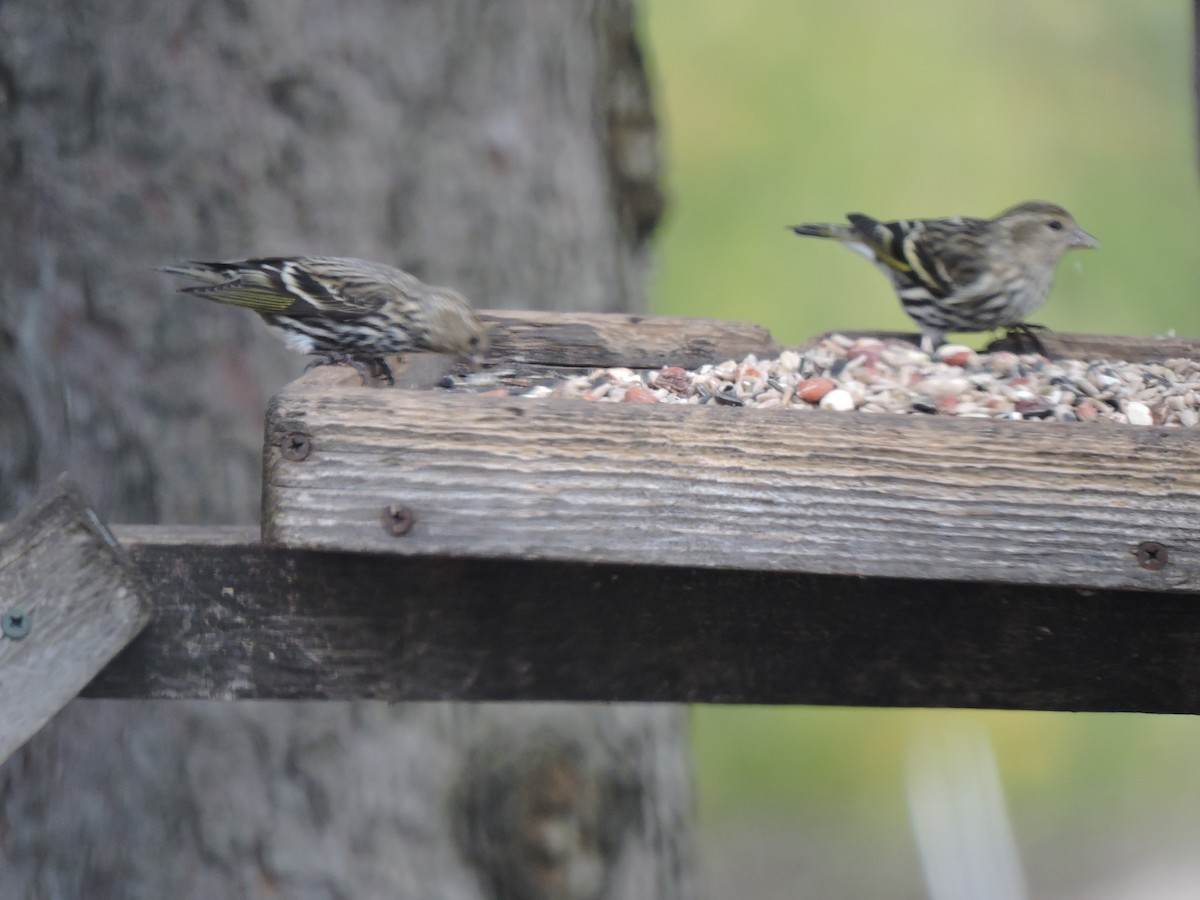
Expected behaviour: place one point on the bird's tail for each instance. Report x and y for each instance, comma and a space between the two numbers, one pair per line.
837, 232
238, 284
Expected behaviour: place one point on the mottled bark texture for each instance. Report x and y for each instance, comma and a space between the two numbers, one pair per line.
506, 148
347, 800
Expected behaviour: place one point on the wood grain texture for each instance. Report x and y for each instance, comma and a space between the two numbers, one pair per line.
878, 495
236, 619
614, 339
83, 599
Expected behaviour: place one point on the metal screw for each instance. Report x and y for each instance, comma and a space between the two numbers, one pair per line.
295, 446
15, 624
1151, 555
398, 519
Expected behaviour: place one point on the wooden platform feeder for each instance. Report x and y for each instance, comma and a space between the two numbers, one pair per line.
705, 553
421, 544
925, 497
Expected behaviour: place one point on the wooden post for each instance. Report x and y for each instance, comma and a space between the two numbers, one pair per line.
71, 600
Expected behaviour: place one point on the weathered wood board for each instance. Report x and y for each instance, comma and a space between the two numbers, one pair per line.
817, 492
235, 619
79, 601
616, 339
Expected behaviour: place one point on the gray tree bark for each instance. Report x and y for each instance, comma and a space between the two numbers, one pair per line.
505, 148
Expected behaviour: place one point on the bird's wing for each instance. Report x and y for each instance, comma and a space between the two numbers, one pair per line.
297, 287
943, 256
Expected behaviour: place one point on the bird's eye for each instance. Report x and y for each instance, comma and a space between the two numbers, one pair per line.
1054, 225
474, 341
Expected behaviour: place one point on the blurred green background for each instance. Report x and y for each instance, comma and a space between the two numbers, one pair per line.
784, 111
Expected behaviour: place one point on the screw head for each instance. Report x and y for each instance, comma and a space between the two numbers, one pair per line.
295, 446
15, 624
1151, 555
398, 519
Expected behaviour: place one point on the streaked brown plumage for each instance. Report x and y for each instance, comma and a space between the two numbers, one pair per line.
961, 274
344, 310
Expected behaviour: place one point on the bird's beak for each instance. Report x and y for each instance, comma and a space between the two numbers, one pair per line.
475, 362
1080, 238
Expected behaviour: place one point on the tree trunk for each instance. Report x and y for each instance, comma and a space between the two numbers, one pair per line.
507, 149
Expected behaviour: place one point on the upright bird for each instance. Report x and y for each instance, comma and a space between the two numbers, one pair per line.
344, 310
961, 274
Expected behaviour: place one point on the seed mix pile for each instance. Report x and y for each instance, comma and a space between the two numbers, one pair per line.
876, 376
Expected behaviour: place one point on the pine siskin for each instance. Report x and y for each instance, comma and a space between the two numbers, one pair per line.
960, 274
344, 310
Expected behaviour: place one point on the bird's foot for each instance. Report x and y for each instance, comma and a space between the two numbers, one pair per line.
368, 369
1025, 333
383, 370
326, 359
319, 361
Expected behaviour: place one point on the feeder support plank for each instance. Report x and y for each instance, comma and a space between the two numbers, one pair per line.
238, 620
71, 599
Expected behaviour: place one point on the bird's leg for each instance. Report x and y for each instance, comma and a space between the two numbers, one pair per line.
383, 370
365, 368
323, 359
